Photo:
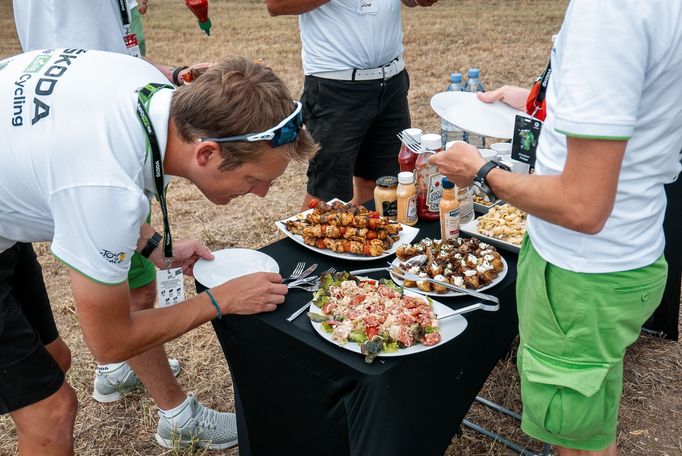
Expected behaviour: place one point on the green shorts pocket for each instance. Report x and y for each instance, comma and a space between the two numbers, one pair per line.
564, 397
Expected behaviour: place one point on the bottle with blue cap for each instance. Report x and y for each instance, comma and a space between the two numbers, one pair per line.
474, 85
448, 131
449, 211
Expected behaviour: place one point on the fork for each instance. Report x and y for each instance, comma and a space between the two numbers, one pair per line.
296, 273
316, 287
309, 285
411, 143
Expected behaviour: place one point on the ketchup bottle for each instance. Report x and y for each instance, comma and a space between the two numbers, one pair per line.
200, 10
407, 158
429, 185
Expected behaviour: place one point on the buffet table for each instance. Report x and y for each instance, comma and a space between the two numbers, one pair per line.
296, 392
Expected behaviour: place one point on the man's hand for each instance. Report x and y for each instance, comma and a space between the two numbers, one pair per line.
250, 294
185, 254
513, 96
459, 164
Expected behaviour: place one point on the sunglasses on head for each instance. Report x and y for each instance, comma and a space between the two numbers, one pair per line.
284, 133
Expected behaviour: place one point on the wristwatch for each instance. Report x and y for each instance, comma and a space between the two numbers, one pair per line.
151, 244
479, 178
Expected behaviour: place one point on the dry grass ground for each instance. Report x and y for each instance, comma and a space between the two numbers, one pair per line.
509, 40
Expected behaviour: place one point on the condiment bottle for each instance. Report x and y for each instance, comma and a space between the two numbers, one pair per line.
407, 158
407, 199
449, 211
429, 190
385, 197
465, 196
200, 10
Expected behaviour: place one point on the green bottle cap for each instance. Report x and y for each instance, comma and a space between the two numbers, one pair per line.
206, 26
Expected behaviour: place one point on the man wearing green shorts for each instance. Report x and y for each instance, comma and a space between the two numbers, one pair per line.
591, 269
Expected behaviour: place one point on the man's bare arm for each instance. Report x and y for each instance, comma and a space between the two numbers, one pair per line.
581, 198
292, 7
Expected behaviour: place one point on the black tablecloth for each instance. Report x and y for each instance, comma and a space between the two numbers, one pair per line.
298, 392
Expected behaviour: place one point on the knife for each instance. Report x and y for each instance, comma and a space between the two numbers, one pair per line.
305, 274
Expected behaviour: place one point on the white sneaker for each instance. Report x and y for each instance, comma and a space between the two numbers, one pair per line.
110, 389
206, 428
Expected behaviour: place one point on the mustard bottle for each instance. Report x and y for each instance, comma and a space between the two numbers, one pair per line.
407, 199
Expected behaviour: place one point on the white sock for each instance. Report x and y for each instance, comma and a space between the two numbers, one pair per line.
178, 416
115, 371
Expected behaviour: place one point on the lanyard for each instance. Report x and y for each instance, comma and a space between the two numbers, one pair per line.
123, 7
544, 82
143, 98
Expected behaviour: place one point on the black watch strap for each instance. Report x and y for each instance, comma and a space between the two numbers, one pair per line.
151, 244
482, 174
176, 73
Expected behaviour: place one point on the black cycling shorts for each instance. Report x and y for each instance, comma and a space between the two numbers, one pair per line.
28, 373
355, 124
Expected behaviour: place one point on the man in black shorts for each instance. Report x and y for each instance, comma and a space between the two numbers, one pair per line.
355, 92
81, 177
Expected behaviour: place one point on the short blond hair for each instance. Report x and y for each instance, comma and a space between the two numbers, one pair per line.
235, 97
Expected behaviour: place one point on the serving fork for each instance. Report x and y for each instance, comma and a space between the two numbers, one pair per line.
411, 143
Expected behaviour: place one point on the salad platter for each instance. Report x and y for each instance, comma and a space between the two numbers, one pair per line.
378, 318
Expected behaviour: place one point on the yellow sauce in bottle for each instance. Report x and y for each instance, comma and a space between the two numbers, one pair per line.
449, 211
407, 199
386, 197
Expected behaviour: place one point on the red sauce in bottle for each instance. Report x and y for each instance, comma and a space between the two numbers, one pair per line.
200, 10
429, 188
406, 158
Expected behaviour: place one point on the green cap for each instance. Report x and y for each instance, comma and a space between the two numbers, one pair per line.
206, 26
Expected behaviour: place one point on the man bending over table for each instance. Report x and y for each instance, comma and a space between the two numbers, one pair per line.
591, 270
83, 147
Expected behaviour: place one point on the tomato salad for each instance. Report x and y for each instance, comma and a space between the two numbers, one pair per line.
375, 315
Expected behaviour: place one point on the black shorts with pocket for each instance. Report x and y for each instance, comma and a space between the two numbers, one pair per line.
28, 373
355, 123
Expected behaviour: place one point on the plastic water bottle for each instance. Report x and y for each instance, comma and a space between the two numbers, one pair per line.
451, 132
474, 85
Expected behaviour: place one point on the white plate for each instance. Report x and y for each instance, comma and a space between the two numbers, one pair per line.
500, 277
472, 230
465, 110
232, 263
407, 235
449, 329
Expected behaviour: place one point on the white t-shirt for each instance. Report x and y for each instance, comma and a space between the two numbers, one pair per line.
73, 163
617, 74
86, 24
336, 36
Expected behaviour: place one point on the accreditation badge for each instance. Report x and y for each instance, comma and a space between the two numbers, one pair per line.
132, 45
525, 140
170, 286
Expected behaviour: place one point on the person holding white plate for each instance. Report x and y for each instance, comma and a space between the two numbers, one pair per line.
591, 269
82, 152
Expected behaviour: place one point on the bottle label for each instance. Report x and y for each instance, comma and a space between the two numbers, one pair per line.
412, 209
434, 192
389, 208
451, 224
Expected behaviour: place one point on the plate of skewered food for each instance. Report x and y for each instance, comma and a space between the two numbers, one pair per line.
343, 230
466, 263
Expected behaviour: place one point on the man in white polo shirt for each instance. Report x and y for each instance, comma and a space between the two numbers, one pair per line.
355, 91
83, 148
591, 270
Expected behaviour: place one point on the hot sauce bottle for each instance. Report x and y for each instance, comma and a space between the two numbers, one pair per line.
200, 10
407, 158
429, 188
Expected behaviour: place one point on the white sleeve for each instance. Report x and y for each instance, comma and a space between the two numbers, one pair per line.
604, 48
96, 229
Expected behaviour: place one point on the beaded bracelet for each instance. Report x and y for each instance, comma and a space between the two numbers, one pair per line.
215, 304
